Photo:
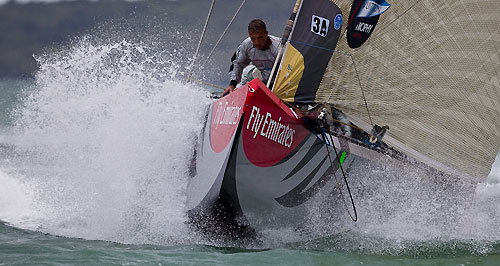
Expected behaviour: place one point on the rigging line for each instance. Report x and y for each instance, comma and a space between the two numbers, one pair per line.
350, 125
313, 132
354, 216
201, 40
208, 84
362, 91
224, 32
402, 14
315, 46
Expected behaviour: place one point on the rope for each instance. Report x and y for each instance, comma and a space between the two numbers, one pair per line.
402, 14
353, 216
362, 91
348, 124
376, 34
201, 40
208, 84
327, 143
223, 33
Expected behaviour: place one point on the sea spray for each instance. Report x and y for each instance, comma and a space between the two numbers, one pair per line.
484, 215
16, 201
102, 145
105, 139
408, 211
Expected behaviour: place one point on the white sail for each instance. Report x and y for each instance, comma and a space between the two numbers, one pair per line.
430, 71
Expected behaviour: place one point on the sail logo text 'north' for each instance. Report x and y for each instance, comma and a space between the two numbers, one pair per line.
364, 27
273, 130
226, 114
320, 25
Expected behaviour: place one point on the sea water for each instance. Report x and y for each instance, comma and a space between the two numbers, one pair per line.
94, 162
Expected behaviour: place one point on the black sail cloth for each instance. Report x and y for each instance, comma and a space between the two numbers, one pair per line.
311, 45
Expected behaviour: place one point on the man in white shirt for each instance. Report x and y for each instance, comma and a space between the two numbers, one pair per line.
260, 50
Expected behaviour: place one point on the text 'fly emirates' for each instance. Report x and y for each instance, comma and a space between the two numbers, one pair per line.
269, 128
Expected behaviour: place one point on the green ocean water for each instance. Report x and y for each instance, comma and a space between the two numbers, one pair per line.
10, 91
93, 168
22, 247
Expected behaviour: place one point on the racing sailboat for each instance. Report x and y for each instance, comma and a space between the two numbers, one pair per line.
359, 82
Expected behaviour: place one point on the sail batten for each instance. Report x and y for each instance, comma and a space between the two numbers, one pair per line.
430, 71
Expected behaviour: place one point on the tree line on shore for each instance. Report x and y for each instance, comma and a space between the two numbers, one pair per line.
39, 28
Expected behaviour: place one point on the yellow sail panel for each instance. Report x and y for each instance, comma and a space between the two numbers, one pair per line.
289, 74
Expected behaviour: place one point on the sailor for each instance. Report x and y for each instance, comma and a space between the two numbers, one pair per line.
255, 54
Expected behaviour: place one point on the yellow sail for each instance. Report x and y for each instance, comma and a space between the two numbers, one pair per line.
289, 76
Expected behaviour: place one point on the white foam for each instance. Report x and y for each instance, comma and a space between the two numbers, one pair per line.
103, 145
16, 202
494, 176
408, 205
104, 141
484, 215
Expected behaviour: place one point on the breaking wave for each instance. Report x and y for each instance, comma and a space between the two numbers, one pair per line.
102, 144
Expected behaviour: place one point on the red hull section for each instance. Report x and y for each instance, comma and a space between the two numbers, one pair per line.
258, 165
270, 130
226, 113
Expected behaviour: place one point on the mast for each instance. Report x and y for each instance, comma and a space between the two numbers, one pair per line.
284, 39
